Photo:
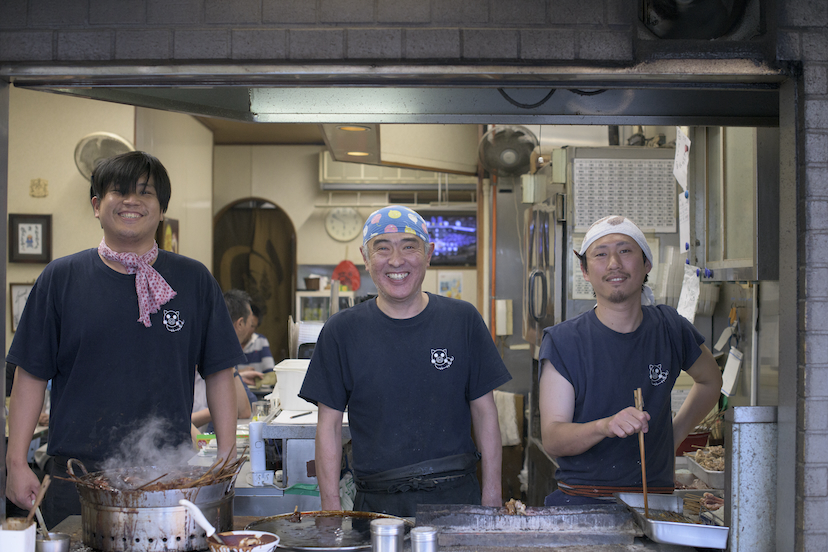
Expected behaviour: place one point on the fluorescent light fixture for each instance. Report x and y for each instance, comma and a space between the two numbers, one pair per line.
353, 128
358, 153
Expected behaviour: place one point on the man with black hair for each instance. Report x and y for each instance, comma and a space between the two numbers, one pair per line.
257, 350
120, 330
238, 305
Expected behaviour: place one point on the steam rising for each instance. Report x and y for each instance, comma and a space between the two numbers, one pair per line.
152, 447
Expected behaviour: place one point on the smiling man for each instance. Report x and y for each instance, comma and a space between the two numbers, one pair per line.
592, 364
414, 370
120, 330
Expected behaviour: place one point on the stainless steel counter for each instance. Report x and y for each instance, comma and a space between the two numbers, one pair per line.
72, 527
296, 430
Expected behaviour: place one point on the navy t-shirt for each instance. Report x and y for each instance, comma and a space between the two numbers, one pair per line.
605, 368
109, 372
406, 383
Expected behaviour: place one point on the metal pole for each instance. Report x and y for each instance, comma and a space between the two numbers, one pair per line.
754, 346
4, 187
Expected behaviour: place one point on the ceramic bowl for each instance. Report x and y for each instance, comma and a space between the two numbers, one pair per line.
239, 541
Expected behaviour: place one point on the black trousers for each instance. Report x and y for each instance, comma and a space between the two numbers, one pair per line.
463, 490
62, 499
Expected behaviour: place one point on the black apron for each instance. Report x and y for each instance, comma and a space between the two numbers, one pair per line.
447, 480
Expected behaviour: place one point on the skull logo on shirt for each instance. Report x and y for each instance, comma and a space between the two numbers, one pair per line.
172, 320
440, 359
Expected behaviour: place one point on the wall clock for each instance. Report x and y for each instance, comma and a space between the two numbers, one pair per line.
343, 223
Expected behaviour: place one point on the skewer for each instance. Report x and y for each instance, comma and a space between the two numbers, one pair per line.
148, 483
38, 498
639, 404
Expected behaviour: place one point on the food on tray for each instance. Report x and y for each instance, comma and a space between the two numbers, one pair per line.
711, 501
694, 503
709, 458
699, 484
515, 508
295, 517
664, 515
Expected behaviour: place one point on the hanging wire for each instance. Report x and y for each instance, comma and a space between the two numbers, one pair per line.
523, 105
586, 92
540, 144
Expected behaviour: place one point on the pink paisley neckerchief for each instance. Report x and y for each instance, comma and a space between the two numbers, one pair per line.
153, 290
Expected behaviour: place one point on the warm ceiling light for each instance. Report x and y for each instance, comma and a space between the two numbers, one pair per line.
359, 153
353, 128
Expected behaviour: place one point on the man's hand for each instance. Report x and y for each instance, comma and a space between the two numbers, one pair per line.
627, 422
250, 377
563, 437
22, 486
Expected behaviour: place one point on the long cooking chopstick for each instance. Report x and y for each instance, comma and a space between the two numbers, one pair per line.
639, 404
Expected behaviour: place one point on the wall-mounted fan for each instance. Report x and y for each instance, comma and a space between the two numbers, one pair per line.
507, 150
94, 148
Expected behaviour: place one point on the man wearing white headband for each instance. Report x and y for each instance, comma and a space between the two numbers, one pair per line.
414, 371
592, 364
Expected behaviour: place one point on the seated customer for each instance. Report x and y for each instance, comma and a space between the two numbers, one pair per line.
257, 350
201, 417
238, 305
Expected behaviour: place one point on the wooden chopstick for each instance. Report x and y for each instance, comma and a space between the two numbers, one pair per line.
639, 404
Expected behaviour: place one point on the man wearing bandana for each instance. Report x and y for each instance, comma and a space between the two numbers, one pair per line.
120, 330
414, 371
592, 364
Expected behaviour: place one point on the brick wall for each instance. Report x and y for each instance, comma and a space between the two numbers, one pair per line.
268, 30
803, 35
455, 32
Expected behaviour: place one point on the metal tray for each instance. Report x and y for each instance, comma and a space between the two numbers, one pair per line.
716, 479
672, 532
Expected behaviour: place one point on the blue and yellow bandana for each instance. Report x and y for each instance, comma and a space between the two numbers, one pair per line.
394, 219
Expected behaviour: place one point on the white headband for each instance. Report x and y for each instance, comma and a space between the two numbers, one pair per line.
616, 225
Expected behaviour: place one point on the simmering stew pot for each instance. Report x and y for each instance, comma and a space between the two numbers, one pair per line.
136, 517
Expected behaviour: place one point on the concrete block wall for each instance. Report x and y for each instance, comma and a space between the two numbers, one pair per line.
584, 33
301, 30
803, 36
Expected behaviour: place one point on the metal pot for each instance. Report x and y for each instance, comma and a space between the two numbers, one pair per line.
121, 520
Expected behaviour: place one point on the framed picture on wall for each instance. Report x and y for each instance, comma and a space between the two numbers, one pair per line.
30, 238
18, 294
167, 235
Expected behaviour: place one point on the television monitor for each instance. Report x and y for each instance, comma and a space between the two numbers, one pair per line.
455, 237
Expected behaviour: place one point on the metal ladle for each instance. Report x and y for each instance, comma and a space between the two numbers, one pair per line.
199, 518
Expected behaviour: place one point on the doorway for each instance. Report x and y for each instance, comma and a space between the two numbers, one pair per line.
254, 249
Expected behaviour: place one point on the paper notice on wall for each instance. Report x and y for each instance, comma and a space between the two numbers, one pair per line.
731, 371
684, 221
724, 338
677, 398
682, 159
450, 284
690, 289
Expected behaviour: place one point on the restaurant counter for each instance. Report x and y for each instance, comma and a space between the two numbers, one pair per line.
72, 526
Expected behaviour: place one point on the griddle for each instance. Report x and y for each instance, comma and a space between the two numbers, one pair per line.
324, 530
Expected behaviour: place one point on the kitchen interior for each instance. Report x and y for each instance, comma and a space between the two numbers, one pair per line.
521, 189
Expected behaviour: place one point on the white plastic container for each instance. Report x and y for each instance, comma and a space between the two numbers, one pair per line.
290, 373
14, 538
